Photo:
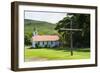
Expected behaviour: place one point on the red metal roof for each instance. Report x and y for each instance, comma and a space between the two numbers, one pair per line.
45, 38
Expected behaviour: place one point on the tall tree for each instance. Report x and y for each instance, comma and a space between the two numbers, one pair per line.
79, 21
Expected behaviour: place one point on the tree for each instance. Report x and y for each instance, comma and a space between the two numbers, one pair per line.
27, 38
64, 23
79, 21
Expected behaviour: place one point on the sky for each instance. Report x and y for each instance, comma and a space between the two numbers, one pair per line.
52, 17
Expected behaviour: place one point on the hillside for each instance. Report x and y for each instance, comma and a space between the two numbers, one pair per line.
41, 26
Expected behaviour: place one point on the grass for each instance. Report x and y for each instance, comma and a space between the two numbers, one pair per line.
57, 54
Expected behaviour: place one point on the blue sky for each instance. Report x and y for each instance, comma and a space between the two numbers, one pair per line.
52, 17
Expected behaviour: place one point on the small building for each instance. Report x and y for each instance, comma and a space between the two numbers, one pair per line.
45, 41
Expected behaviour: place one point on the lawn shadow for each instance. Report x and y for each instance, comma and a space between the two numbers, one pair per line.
83, 50
61, 48
65, 49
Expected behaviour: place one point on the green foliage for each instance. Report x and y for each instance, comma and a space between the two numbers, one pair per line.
79, 21
27, 38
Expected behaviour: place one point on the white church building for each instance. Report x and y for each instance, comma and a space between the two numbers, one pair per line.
45, 40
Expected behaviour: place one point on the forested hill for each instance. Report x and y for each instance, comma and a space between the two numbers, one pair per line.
41, 26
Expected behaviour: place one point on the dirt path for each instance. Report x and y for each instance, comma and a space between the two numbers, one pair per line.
35, 59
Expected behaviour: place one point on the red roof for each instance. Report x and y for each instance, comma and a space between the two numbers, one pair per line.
45, 38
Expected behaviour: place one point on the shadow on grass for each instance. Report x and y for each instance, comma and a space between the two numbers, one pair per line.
65, 49
69, 49
83, 50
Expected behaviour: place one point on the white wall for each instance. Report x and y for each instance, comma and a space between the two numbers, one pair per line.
5, 28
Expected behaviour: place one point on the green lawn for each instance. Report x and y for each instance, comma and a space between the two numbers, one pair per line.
56, 54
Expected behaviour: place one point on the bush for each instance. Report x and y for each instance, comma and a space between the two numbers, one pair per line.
27, 39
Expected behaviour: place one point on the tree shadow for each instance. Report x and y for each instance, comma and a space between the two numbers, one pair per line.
83, 50
65, 49
60, 48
